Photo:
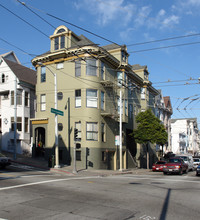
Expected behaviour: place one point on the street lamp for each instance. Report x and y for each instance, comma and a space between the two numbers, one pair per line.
56, 117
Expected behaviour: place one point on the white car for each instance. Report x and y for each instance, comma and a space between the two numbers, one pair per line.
188, 159
196, 162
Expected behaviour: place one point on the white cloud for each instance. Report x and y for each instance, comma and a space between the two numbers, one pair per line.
189, 7
126, 34
170, 21
107, 11
142, 15
162, 12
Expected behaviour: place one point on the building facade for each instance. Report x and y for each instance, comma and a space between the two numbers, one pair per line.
87, 83
163, 111
17, 96
185, 136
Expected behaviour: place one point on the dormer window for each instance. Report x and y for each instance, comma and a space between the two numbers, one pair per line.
56, 43
124, 56
59, 41
146, 75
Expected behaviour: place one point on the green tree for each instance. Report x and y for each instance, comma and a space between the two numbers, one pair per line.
149, 130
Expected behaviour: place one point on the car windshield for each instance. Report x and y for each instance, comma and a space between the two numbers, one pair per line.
174, 160
160, 162
184, 158
196, 159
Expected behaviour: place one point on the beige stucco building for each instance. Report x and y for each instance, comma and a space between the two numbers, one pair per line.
88, 83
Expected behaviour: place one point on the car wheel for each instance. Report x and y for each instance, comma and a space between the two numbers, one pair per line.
165, 173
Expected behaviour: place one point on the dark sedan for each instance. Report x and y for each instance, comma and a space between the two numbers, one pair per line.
4, 161
158, 166
175, 165
198, 170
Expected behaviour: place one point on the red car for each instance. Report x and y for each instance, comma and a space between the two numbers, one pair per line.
158, 166
175, 165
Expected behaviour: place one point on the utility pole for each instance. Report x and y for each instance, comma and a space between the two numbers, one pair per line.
120, 129
15, 120
56, 123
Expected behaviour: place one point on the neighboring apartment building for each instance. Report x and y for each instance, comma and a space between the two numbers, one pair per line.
164, 112
88, 80
16, 77
185, 136
148, 96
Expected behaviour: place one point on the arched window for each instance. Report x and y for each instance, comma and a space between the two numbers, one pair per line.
61, 30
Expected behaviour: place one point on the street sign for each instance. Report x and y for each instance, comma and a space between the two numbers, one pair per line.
56, 111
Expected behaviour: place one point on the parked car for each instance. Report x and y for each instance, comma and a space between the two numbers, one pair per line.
196, 162
4, 161
188, 159
198, 171
158, 166
175, 165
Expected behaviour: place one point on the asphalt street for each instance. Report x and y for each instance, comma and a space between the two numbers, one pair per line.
29, 193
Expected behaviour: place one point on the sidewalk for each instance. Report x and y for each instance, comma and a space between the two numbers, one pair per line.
41, 163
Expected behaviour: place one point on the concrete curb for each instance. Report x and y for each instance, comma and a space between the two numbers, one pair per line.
100, 173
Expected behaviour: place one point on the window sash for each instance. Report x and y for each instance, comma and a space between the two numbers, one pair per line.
19, 98
102, 100
142, 93
78, 98
26, 125
56, 43
92, 131
12, 97
102, 132
91, 67
43, 102
26, 101
77, 68
92, 99
43, 74
19, 123
62, 41
102, 71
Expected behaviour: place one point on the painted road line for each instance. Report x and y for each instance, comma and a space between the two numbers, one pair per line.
47, 181
157, 179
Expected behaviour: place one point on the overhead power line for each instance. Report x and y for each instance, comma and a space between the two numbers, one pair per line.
32, 55
164, 39
67, 22
23, 20
164, 47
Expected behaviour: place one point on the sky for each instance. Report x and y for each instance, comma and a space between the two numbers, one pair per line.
162, 34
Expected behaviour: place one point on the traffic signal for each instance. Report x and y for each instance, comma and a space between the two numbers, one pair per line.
75, 133
87, 151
